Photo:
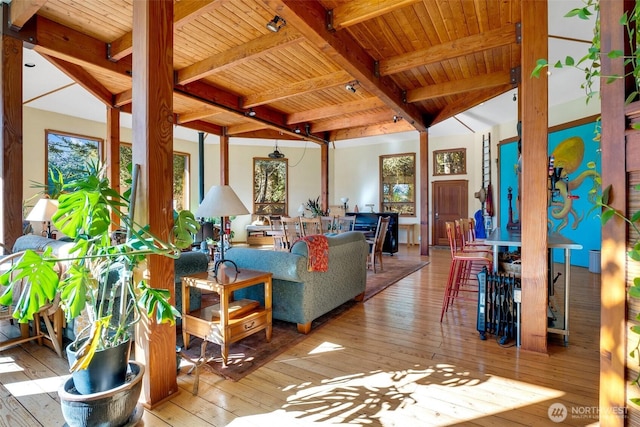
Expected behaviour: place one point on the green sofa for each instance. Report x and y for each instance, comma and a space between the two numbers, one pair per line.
300, 296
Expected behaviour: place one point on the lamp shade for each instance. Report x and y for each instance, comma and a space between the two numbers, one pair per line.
43, 210
220, 201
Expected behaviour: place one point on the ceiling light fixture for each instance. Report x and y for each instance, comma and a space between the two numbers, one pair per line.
276, 23
396, 118
351, 86
297, 130
276, 154
250, 113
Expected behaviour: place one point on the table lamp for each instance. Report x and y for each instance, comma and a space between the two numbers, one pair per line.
221, 201
42, 212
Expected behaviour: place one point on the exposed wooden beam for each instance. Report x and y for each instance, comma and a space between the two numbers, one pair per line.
299, 88
42, 95
371, 130
450, 50
196, 115
83, 78
72, 46
365, 119
484, 81
245, 127
308, 17
238, 55
357, 11
463, 103
185, 12
423, 159
123, 98
20, 11
335, 110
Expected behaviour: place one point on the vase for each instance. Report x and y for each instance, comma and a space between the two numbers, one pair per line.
111, 408
107, 370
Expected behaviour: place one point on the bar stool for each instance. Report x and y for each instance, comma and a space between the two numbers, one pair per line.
463, 263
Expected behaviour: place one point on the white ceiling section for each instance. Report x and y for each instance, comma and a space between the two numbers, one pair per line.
47, 88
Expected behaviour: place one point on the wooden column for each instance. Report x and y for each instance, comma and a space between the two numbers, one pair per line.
324, 176
112, 153
614, 237
11, 172
224, 157
153, 151
423, 155
534, 172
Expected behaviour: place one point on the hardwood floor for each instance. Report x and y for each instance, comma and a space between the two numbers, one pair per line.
386, 362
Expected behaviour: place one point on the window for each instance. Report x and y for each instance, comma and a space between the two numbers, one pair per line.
450, 162
269, 186
180, 175
67, 154
398, 184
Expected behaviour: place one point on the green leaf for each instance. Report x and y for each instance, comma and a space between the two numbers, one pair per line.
569, 61
635, 217
606, 216
157, 300
634, 292
635, 329
606, 194
185, 227
616, 53
40, 283
74, 290
540, 64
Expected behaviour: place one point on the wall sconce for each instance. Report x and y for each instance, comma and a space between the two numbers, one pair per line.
276, 23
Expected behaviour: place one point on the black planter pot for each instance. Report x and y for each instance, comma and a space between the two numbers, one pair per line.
107, 370
111, 408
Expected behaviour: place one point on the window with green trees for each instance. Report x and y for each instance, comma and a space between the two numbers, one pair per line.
398, 183
67, 154
269, 186
180, 175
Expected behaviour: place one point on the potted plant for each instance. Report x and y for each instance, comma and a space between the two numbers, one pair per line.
100, 278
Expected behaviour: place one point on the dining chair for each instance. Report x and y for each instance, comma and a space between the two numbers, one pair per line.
310, 226
327, 224
375, 245
291, 229
277, 232
345, 223
51, 335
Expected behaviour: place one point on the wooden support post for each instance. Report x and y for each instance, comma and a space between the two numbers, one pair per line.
153, 151
224, 157
112, 153
613, 303
11, 173
424, 193
324, 176
534, 172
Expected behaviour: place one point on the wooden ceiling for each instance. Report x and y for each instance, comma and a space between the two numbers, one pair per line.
413, 63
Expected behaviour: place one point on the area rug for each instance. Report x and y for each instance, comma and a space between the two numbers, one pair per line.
251, 352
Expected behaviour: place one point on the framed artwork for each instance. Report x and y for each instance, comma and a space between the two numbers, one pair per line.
398, 183
450, 162
269, 186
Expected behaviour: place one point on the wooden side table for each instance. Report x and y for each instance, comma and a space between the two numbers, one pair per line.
410, 228
227, 321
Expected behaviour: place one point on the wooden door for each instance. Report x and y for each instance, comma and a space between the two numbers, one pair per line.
450, 202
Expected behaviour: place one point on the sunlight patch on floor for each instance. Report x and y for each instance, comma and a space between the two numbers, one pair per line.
7, 364
326, 347
39, 386
449, 394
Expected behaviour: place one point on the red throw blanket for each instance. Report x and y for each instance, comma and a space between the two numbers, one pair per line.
318, 249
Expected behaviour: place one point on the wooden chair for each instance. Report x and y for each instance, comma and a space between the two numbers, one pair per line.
327, 224
277, 231
310, 226
465, 239
462, 264
345, 223
375, 245
291, 229
52, 335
